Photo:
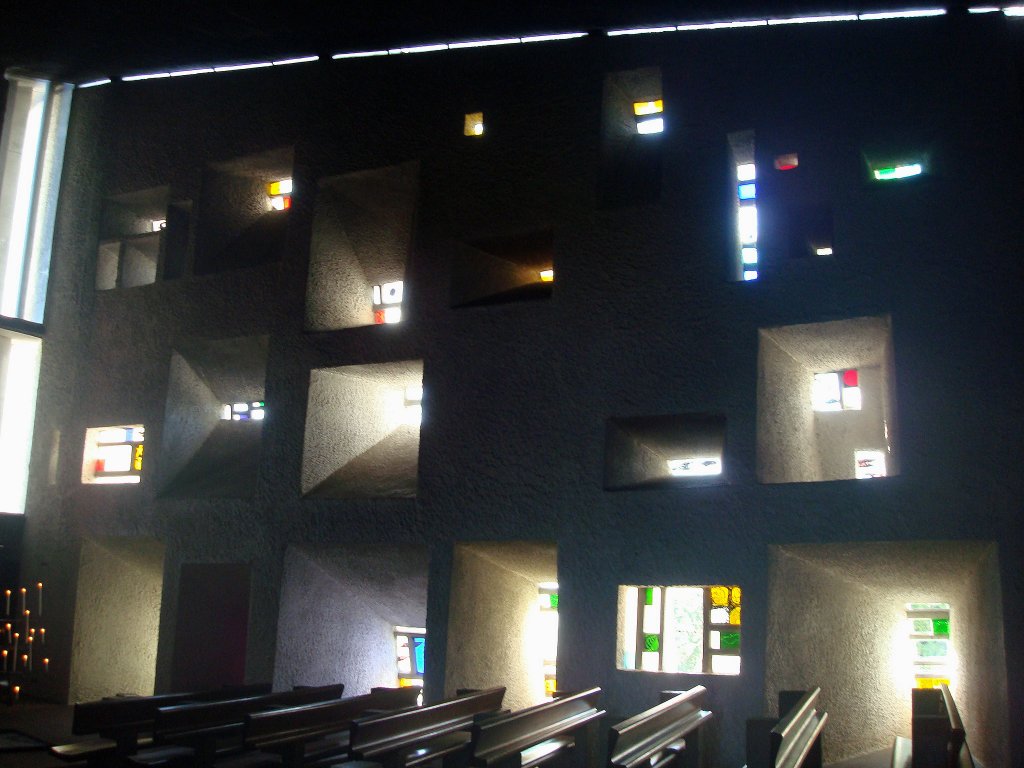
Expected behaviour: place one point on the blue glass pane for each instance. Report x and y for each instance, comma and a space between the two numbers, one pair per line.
747, 191
419, 644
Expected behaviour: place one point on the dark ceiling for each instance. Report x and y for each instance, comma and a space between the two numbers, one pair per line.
118, 37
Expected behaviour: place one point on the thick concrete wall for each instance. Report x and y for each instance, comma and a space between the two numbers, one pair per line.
339, 609
641, 319
117, 619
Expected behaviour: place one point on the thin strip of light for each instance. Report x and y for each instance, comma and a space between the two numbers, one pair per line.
94, 83
297, 60
723, 25
420, 48
359, 54
640, 31
915, 14
547, 38
484, 43
984, 9
236, 67
812, 19
188, 72
1014, 10
146, 76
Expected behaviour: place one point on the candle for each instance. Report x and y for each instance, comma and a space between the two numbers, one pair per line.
8, 628
39, 590
5, 659
42, 635
24, 661
46, 665
26, 622
28, 659
23, 591
17, 690
7, 594
16, 636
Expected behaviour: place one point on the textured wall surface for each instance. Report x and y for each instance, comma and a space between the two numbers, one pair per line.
642, 320
837, 619
117, 618
339, 609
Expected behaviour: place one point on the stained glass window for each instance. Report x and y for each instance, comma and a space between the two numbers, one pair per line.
680, 629
474, 124
113, 454
741, 145
928, 633
649, 116
254, 410
548, 630
279, 194
837, 391
411, 646
387, 302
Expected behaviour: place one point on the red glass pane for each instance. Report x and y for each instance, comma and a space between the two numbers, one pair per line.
850, 378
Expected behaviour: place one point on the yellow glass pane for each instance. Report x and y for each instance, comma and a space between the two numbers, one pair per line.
473, 124
734, 615
648, 107
930, 682
736, 595
137, 463
719, 596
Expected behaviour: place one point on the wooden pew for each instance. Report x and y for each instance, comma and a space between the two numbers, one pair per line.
194, 734
317, 734
794, 740
121, 724
660, 735
538, 734
416, 736
938, 738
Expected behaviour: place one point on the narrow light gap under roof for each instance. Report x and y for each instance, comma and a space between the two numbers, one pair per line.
909, 14
813, 19
723, 25
640, 31
236, 67
94, 83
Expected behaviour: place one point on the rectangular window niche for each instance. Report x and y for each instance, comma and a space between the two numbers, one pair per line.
363, 431
805, 434
664, 451
503, 269
132, 238
362, 236
631, 155
205, 454
238, 223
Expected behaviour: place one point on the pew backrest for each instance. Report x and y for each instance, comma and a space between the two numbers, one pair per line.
384, 737
275, 728
796, 739
937, 732
530, 736
112, 717
657, 736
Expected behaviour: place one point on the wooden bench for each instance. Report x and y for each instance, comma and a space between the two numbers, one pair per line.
121, 724
195, 734
658, 736
938, 739
792, 741
539, 734
419, 735
318, 734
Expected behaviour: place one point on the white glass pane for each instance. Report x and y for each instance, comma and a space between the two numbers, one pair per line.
719, 616
868, 464
652, 613
649, 661
851, 398
19, 357
748, 224
627, 632
112, 435
715, 640
825, 392
683, 645
113, 458
746, 172
725, 665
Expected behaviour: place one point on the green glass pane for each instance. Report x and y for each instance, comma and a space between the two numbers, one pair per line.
652, 642
730, 639
554, 601
926, 648
940, 627
649, 596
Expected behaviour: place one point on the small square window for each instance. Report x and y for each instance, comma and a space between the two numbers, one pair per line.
474, 124
928, 634
695, 630
649, 116
113, 454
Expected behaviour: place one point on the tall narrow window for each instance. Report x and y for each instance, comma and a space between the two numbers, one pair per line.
19, 372
411, 650
548, 603
31, 157
741, 145
929, 640
680, 629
